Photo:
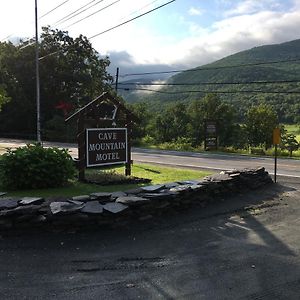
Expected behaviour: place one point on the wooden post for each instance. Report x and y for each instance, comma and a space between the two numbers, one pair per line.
81, 148
128, 163
275, 164
276, 142
90, 114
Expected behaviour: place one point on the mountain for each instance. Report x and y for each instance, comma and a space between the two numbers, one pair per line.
250, 70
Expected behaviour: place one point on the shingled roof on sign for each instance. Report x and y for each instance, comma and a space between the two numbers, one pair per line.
106, 107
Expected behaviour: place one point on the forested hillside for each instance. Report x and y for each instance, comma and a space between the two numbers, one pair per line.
241, 79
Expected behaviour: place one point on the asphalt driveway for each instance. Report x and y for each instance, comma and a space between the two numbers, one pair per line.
246, 247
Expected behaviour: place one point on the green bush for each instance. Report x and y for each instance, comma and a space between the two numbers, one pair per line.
257, 151
148, 140
33, 166
180, 144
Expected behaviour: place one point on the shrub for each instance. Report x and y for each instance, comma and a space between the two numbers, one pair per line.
33, 166
148, 140
257, 151
180, 144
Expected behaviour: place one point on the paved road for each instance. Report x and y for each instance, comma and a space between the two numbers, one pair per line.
286, 167
246, 247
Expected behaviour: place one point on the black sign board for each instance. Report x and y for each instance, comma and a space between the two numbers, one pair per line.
106, 146
211, 135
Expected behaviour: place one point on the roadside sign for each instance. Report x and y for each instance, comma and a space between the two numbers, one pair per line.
276, 136
211, 135
106, 146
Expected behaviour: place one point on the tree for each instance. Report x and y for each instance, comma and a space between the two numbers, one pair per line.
172, 123
3, 96
288, 141
141, 110
260, 122
212, 108
196, 124
71, 74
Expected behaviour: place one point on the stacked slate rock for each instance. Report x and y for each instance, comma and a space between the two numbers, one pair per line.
118, 208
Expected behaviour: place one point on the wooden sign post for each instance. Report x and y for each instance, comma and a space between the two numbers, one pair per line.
100, 143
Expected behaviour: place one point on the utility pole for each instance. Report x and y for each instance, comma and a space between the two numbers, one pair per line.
37, 72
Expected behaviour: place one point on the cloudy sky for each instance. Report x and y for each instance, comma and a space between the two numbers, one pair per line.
185, 33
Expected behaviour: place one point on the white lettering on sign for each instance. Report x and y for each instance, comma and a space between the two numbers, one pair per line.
107, 156
107, 136
107, 146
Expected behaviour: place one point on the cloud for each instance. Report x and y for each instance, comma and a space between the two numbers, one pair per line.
139, 47
233, 34
127, 65
252, 6
195, 11
225, 37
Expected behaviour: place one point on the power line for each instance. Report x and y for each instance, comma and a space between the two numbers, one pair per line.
77, 12
74, 12
92, 14
5, 38
208, 83
141, 15
209, 68
130, 20
29, 44
136, 11
44, 15
214, 92
52, 10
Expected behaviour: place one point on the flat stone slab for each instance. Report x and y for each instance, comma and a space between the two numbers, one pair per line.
219, 177
198, 187
31, 201
235, 175
181, 188
132, 200
82, 198
100, 195
26, 210
188, 182
76, 202
92, 207
2, 194
171, 185
258, 169
157, 196
115, 195
6, 203
152, 188
133, 191
64, 207
114, 207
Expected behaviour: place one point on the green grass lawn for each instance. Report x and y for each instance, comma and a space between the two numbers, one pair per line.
156, 173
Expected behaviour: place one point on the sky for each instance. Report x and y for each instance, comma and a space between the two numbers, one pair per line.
184, 33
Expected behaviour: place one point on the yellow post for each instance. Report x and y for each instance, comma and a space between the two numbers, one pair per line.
276, 136
276, 142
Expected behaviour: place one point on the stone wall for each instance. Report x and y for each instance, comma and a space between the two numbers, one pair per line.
117, 208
